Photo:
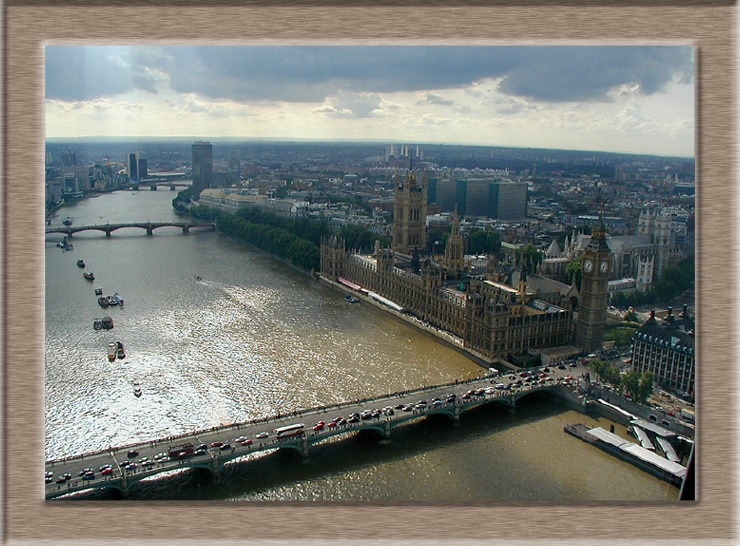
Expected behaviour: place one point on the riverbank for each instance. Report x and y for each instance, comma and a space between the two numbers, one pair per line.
445, 338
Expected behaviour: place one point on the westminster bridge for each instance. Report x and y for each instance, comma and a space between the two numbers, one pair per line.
148, 226
220, 446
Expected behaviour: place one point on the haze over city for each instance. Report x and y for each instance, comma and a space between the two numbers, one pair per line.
633, 99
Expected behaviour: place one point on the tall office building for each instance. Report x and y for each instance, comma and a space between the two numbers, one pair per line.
507, 200
132, 166
202, 167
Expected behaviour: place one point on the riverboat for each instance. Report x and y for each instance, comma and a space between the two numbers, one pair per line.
98, 324
112, 300
88, 275
118, 298
81, 263
112, 351
119, 350
67, 221
107, 323
98, 291
103, 301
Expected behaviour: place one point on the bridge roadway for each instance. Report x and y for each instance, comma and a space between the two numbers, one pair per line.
148, 226
560, 383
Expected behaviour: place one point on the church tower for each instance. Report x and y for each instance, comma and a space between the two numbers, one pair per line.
594, 293
455, 250
410, 213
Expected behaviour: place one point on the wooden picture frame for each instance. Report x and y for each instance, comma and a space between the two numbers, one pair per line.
30, 24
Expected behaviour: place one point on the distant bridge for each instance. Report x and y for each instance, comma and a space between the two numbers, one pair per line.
148, 226
260, 434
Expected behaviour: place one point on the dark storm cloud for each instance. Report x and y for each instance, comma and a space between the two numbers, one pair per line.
83, 73
313, 74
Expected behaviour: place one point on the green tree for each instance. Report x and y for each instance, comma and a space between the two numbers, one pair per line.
484, 241
645, 387
574, 268
530, 255
631, 383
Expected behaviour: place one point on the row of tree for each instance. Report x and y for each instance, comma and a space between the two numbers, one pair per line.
638, 385
675, 280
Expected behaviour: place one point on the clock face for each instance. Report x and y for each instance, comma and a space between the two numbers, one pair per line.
604, 267
588, 266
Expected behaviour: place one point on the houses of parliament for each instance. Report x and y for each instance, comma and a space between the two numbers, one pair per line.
491, 319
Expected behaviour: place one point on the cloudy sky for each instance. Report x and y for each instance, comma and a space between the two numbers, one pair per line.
611, 98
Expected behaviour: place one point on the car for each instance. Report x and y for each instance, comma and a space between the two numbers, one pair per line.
160, 456
437, 403
239, 440
332, 424
148, 463
523, 374
341, 422
107, 471
389, 411
143, 460
262, 435
225, 447
49, 479
354, 418
420, 406
88, 476
399, 406
85, 471
62, 479
217, 443
500, 386
561, 366
132, 453
318, 426
246, 442
49, 475
131, 466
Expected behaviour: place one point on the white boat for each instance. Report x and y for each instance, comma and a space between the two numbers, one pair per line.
112, 349
118, 298
98, 324
137, 389
88, 275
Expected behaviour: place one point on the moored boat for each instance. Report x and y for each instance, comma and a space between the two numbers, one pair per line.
103, 301
112, 351
112, 300
98, 291
118, 298
81, 263
67, 221
89, 275
137, 389
119, 350
98, 324
107, 323
350, 299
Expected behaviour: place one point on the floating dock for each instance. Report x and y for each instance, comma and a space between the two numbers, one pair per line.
642, 458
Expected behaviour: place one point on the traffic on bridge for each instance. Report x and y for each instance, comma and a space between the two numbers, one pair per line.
210, 449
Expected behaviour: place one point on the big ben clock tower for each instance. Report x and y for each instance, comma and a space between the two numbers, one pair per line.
594, 294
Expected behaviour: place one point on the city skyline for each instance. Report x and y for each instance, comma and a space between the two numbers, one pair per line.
630, 99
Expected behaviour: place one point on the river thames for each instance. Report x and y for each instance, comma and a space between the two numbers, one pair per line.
253, 337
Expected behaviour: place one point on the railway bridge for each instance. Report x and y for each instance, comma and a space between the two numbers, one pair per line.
108, 229
235, 443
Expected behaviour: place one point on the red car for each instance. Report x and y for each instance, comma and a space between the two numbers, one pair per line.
246, 442
319, 426
106, 471
217, 444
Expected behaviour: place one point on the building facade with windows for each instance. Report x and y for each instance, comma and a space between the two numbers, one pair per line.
666, 348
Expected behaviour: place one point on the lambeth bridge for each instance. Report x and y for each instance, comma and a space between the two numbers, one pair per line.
148, 226
211, 449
